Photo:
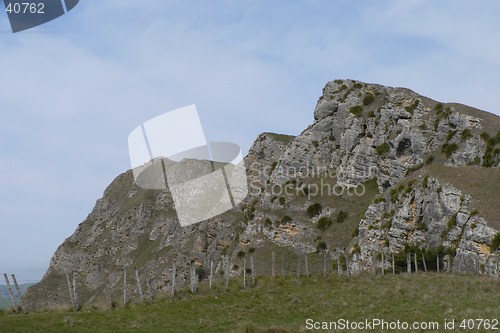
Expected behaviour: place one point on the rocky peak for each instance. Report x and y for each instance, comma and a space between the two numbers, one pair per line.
366, 130
375, 172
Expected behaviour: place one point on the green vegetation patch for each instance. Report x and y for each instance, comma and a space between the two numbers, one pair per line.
451, 134
314, 209
495, 242
323, 223
321, 247
465, 134
342, 216
490, 156
356, 110
413, 169
383, 149
283, 138
411, 108
449, 148
368, 99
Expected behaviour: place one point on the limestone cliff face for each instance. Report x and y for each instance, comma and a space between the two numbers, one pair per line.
377, 160
427, 214
365, 130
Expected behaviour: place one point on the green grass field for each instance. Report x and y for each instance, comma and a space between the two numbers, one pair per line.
285, 305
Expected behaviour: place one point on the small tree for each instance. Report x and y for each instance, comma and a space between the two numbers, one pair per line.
368, 99
200, 272
342, 216
495, 242
324, 223
240, 254
356, 110
314, 209
383, 148
321, 247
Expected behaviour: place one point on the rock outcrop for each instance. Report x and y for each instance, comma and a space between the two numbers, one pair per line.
370, 165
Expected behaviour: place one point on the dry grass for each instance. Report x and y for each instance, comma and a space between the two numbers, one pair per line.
278, 305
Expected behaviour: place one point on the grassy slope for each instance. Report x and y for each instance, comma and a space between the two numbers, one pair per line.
287, 304
338, 235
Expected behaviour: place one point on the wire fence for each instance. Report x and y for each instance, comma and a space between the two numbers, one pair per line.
140, 283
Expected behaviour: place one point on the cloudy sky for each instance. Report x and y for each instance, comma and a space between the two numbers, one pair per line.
72, 90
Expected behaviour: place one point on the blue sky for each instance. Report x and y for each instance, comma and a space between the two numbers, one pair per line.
72, 90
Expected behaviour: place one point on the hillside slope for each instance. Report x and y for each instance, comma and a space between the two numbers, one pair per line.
424, 298
379, 166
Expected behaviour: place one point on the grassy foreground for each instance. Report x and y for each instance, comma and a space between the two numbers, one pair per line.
284, 305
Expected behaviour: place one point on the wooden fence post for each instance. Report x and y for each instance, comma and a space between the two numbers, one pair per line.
193, 277
324, 264
477, 265
298, 267
19, 293
272, 266
423, 260
12, 294
374, 271
71, 293
74, 290
139, 284
393, 268
228, 262
282, 265
408, 263
174, 272
211, 272
125, 286
383, 270
348, 272
148, 285
465, 265
307, 266
416, 267
338, 264
437, 262
253, 270
106, 286
244, 271
448, 261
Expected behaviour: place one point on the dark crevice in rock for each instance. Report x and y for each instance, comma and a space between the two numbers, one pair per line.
404, 148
